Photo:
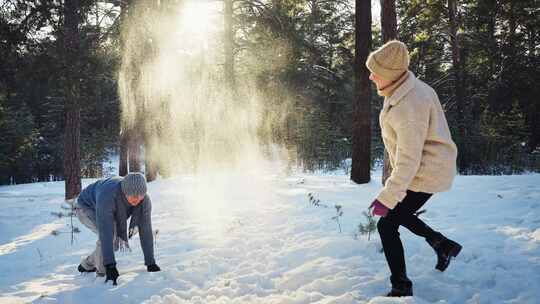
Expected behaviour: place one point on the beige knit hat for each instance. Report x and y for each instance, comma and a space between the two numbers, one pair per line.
390, 61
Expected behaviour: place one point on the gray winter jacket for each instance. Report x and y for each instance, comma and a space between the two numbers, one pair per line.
105, 200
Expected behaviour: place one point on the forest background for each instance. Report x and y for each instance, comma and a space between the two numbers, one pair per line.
60, 105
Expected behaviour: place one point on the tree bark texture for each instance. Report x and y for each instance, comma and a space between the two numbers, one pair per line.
458, 82
389, 32
72, 132
361, 133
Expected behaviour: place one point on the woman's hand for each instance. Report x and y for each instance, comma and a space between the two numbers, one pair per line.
378, 208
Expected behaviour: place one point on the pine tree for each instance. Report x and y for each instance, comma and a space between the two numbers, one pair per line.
389, 32
361, 137
72, 42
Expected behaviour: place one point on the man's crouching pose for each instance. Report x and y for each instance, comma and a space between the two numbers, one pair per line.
104, 207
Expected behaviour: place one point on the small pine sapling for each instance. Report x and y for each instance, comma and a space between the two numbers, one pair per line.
368, 227
317, 203
339, 213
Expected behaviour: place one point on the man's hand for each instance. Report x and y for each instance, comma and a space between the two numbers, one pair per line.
153, 268
378, 208
112, 273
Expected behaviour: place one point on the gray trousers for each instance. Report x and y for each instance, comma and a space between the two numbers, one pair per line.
95, 259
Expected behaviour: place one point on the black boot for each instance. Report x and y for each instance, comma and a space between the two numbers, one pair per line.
446, 249
401, 287
81, 269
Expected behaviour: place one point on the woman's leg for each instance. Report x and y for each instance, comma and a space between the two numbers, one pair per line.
406, 209
402, 214
393, 249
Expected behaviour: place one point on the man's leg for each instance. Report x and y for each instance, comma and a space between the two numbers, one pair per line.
95, 259
98, 259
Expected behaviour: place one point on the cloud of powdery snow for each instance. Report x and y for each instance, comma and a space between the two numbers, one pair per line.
175, 97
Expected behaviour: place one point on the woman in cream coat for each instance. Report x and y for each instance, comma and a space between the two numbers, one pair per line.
422, 156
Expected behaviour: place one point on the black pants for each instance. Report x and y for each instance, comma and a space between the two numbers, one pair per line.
402, 215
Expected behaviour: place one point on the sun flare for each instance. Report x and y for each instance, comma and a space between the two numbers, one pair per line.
198, 17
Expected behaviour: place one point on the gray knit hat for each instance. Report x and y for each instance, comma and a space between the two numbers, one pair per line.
134, 184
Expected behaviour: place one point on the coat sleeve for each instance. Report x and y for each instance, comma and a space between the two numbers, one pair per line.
410, 144
411, 127
105, 226
146, 233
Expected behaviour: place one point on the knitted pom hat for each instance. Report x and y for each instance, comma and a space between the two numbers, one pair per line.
390, 61
134, 184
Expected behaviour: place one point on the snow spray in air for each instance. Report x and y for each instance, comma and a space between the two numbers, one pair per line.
175, 100
174, 95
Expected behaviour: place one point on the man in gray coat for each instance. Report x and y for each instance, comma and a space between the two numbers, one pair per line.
104, 207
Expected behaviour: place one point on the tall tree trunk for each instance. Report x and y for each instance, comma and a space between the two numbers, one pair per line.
361, 133
388, 20
72, 154
389, 32
123, 159
72, 132
150, 162
229, 45
458, 82
134, 148
133, 132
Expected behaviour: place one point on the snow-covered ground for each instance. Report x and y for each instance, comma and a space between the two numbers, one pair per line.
238, 239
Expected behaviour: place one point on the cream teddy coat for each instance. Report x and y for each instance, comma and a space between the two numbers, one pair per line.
420, 147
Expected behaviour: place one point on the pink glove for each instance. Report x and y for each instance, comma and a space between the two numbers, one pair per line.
378, 208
